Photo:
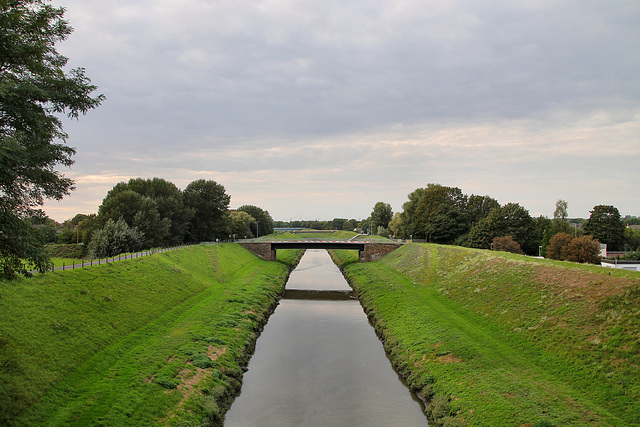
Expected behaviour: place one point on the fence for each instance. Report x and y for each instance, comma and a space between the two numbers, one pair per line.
120, 257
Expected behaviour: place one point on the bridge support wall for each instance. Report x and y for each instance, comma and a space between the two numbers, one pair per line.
263, 250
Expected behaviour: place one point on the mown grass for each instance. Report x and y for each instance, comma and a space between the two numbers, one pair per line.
154, 340
498, 339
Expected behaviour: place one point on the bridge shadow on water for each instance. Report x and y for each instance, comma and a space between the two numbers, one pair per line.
319, 295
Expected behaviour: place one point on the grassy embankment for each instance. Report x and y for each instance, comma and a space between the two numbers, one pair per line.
498, 339
156, 340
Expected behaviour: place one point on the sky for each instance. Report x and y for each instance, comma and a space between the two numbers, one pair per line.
318, 110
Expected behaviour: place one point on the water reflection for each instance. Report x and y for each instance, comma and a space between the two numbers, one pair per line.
319, 363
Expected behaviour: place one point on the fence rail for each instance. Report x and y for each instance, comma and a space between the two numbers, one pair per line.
120, 257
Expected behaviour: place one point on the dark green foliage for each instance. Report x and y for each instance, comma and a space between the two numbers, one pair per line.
631, 256
381, 215
264, 222
35, 89
509, 220
65, 251
605, 225
116, 237
424, 202
20, 241
208, 201
153, 206
445, 225
202, 361
479, 207
167, 382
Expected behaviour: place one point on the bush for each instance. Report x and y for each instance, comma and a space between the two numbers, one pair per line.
166, 382
584, 249
202, 361
507, 244
632, 256
115, 238
558, 246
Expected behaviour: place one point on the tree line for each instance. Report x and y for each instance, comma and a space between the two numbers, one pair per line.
445, 215
147, 213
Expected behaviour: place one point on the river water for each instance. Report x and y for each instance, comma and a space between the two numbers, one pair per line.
318, 361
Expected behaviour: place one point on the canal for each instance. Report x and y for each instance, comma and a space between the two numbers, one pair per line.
318, 361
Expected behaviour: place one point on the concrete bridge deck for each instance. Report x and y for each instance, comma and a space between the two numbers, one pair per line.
367, 251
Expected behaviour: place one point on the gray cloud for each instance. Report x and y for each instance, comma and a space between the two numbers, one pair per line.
392, 94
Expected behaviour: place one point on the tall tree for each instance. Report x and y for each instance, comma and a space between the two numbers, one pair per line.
169, 203
35, 90
381, 215
509, 220
240, 224
264, 222
605, 225
154, 206
209, 203
137, 211
479, 207
423, 202
560, 224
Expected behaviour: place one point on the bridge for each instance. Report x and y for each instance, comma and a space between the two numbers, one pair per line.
367, 250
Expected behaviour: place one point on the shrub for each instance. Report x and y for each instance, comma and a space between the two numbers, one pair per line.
631, 256
202, 361
115, 238
507, 244
584, 249
166, 382
558, 246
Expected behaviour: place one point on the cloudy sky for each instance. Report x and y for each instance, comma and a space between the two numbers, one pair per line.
320, 109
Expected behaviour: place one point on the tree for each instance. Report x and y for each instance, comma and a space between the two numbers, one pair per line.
509, 220
584, 249
560, 224
240, 224
350, 225
338, 223
559, 246
264, 222
209, 203
507, 244
446, 224
116, 237
169, 203
381, 215
423, 202
479, 207
543, 226
137, 211
605, 225
396, 227
34, 91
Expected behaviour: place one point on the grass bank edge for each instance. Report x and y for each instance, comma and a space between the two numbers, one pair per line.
33, 303
416, 277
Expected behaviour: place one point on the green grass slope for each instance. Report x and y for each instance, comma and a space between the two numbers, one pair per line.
498, 339
155, 340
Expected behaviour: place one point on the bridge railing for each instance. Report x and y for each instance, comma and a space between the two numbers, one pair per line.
360, 239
